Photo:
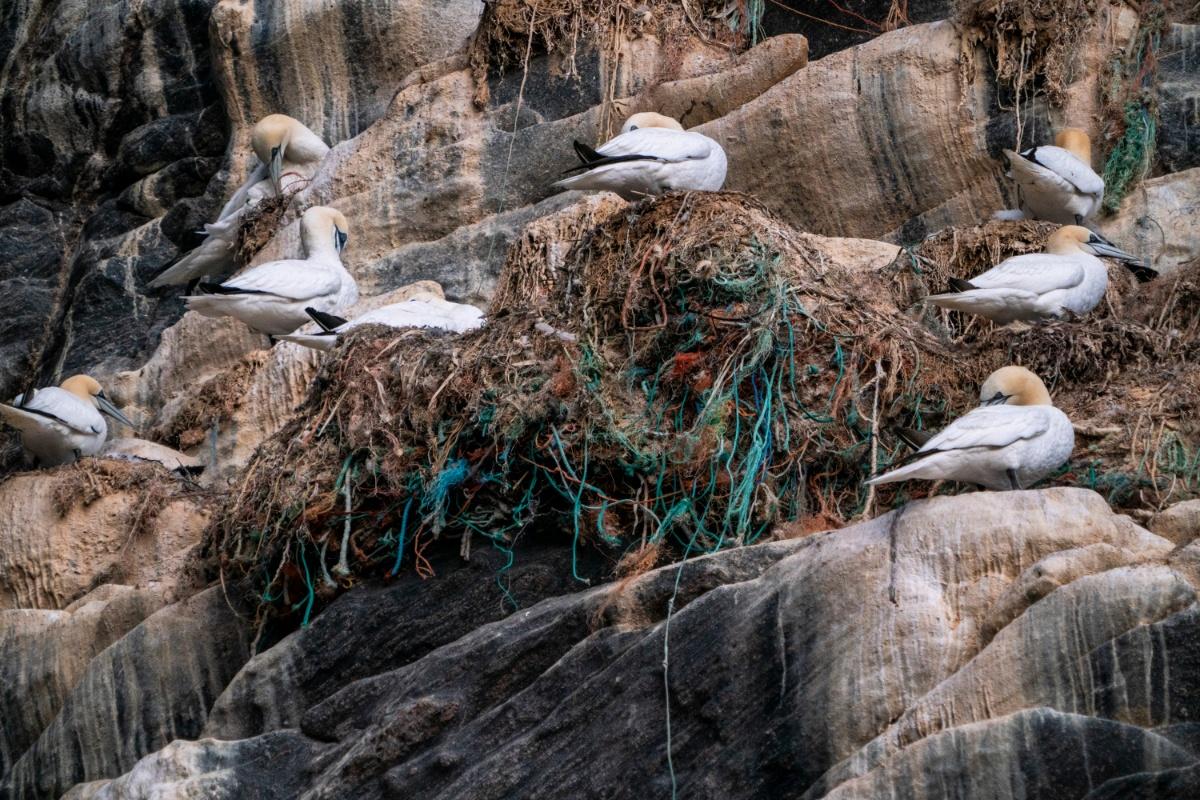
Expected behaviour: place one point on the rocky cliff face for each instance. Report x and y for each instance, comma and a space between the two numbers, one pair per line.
1028, 645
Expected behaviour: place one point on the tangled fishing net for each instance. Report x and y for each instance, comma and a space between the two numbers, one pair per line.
1131, 115
676, 376
513, 30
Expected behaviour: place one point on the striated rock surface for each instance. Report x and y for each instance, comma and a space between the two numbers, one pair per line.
1035, 627
153, 685
1025, 645
58, 541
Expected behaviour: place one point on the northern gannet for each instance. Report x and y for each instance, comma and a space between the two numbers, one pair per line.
653, 154
59, 424
425, 311
1056, 182
271, 298
1012, 440
288, 155
142, 450
1067, 277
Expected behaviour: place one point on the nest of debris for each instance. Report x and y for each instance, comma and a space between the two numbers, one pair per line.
1033, 43
216, 401
511, 31
259, 224
683, 376
1128, 374
91, 479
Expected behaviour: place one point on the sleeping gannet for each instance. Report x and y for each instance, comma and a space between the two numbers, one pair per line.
1012, 440
1068, 277
60, 424
1056, 182
142, 450
653, 154
423, 311
288, 155
271, 298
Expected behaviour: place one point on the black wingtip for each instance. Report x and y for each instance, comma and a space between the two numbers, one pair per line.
585, 153
959, 285
327, 322
911, 436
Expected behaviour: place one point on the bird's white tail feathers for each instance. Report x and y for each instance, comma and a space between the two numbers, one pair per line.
984, 301
310, 340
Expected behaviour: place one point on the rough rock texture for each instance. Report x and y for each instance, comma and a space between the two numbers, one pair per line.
1179, 97
51, 556
1028, 645
153, 685
1157, 220
1035, 627
113, 129
46, 653
334, 65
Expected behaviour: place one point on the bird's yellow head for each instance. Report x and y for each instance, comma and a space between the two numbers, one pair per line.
1072, 239
1014, 386
1068, 239
650, 119
270, 134
82, 386
322, 224
87, 388
1076, 142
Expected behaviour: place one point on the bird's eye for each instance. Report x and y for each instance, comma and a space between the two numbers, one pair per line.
633, 127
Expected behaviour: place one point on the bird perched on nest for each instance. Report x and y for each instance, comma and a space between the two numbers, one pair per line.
653, 154
60, 424
272, 298
1012, 440
142, 451
423, 311
288, 155
1056, 182
1067, 278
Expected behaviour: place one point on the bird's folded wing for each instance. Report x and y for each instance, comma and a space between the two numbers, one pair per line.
989, 426
1067, 168
1037, 273
659, 144
292, 279
58, 405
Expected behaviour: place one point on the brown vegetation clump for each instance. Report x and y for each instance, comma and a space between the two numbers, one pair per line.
213, 404
90, 479
1033, 43
681, 375
259, 225
513, 30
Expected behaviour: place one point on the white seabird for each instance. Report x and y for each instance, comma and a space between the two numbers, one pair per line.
142, 450
60, 424
1056, 182
1012, 440
289, 155
423, 311
1067, 278
653, 154
271, 298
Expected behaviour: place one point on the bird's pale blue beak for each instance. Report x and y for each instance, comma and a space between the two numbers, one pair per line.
106, 407
276, 166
